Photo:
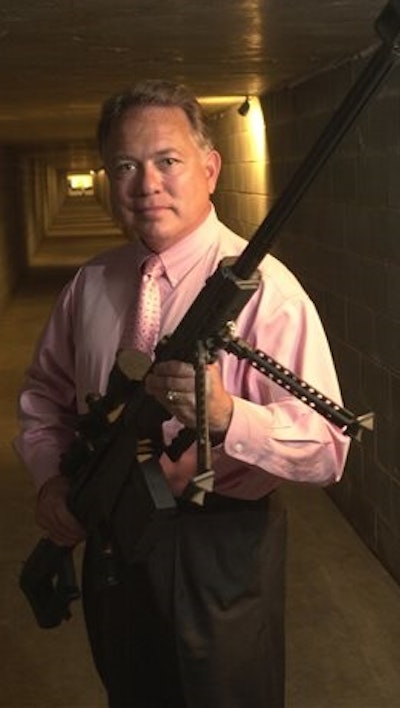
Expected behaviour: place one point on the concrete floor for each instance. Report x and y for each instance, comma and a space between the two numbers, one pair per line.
343, 609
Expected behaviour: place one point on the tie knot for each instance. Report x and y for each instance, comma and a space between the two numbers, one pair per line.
153, 267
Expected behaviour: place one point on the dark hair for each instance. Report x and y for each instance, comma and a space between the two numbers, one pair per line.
154, 92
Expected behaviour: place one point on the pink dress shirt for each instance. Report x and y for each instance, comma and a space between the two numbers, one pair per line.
272, 435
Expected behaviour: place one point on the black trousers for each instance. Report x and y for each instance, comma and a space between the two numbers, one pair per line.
200, 623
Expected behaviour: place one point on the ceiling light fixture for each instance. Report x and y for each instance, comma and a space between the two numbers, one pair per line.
244, 107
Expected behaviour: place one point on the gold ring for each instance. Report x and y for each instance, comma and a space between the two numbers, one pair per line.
172, 396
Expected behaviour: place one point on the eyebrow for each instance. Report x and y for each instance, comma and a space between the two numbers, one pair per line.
158, 153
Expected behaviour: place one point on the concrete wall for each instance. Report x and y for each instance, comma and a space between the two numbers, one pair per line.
43, 189
31, 192
343, 242
12, 259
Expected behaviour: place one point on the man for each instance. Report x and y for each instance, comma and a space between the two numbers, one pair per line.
199, 621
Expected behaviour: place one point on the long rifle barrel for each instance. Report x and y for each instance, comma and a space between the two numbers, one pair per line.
387, 26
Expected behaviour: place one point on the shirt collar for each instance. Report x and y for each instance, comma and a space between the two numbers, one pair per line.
182, 256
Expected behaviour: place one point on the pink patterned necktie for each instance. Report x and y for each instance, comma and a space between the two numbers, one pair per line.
142, 333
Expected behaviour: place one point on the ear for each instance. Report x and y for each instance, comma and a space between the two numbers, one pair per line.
213, 168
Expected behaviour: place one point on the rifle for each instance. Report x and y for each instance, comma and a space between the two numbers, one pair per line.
105, 485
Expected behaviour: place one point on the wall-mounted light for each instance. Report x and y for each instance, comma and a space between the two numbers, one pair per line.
244, 107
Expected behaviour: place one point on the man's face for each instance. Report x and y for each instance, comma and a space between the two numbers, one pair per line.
160, 178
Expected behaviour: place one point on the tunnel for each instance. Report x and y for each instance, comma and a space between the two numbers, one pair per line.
269, 76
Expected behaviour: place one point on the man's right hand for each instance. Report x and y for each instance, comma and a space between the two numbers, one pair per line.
53, 515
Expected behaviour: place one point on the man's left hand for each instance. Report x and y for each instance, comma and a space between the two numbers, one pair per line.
172, 383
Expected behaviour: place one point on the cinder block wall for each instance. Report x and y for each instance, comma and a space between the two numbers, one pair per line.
343, 242
242, 198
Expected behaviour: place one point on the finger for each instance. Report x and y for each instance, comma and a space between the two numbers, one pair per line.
60, 533
173, 368
161, 386
58, 520
65, 540
68, 524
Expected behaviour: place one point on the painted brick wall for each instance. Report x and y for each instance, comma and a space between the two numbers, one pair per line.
343, 242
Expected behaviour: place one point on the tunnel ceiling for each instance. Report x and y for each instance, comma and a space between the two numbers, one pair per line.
61, 58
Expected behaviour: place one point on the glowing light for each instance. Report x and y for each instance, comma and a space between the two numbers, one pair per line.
80, 182
255, 117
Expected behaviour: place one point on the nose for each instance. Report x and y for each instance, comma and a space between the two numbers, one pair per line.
149, 179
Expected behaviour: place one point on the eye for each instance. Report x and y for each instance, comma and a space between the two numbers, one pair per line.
124, 167
166, 163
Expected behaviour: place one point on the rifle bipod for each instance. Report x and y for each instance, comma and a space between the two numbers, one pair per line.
342, 418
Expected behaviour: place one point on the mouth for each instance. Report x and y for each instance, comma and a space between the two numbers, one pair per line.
150, 211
